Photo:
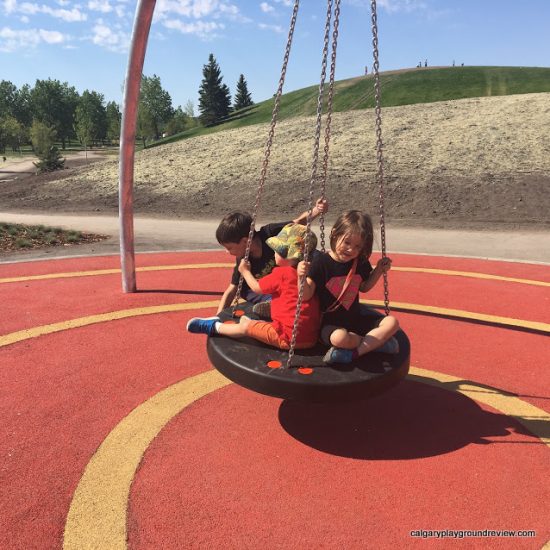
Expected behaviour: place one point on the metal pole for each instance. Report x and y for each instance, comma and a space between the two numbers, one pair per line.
140, 33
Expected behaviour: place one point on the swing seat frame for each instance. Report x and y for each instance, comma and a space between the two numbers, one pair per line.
245, 362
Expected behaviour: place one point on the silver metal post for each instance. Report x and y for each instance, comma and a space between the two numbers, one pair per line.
140, 33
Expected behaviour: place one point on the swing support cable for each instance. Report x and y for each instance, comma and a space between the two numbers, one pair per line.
315, 159
379, 149
328, 120
268, 145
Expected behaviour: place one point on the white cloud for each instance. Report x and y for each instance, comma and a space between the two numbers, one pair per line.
197, 9
274, 28
24, 19
12, 40
70, 16
113, 40
285, 2
28, 8
402, 5
266, 8
392, 6
51, 37
100, 5
9, 6
202, 29
120, 10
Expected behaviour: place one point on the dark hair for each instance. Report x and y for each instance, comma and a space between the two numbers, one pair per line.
353, 222
233, 227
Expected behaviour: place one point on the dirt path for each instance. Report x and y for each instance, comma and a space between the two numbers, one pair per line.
155, 234
14, 167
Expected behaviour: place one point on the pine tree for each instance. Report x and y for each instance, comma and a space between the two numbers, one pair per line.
50, 160
242, 97
214, 97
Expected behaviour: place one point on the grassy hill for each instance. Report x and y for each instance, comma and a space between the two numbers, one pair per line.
405, 87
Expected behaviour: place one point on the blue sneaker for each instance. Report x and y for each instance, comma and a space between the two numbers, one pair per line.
338, 355
206, 325
391, 346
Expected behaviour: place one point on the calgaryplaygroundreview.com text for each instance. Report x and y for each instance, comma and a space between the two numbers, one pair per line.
462, 533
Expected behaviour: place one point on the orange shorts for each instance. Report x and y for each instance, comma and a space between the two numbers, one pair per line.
266, 333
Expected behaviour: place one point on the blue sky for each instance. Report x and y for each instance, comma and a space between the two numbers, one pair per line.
85, 42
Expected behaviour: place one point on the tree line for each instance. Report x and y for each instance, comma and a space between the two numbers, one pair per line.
53, 111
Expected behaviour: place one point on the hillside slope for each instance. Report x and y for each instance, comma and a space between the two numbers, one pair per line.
481, 160
399, 87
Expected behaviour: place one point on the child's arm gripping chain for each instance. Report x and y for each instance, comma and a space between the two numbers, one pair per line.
309, 284
382, 266
251, 281
321, 207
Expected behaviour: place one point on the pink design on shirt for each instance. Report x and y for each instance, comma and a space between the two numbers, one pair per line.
336, 284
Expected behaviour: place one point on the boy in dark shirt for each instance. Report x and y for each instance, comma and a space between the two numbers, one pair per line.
288, 247
232, 234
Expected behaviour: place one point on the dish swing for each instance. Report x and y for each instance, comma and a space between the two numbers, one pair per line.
302, 375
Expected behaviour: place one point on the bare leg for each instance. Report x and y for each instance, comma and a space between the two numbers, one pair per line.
346, 346
342, 338
378, 336
234, 330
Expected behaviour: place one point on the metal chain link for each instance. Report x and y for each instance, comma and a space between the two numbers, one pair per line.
269, 142
329, 118
379, 147
312, 180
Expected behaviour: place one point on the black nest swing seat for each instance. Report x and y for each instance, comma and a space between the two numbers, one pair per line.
245, 362
249, 363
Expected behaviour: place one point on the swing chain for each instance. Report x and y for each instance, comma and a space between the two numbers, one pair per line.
329, 118
269, 143
379, 148
312, 181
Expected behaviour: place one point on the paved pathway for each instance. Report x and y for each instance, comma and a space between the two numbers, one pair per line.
168, 234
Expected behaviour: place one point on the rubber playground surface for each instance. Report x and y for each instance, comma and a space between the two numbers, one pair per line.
117, 433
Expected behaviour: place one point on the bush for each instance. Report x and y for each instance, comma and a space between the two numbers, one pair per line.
50, 161
22, 243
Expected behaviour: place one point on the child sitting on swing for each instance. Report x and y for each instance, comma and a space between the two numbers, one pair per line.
337, 278
232, 234
283, 284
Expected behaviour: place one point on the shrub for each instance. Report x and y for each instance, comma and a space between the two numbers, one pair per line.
50, 161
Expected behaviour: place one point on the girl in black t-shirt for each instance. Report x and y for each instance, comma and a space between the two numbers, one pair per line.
338, 276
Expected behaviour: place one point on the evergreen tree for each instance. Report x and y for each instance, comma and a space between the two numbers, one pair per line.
214, 97
242, 97
50, 160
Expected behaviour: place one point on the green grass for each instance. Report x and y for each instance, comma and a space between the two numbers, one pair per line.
405, 88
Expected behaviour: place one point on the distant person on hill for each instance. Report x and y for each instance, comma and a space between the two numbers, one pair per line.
282, 284
232, 234
426, 63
